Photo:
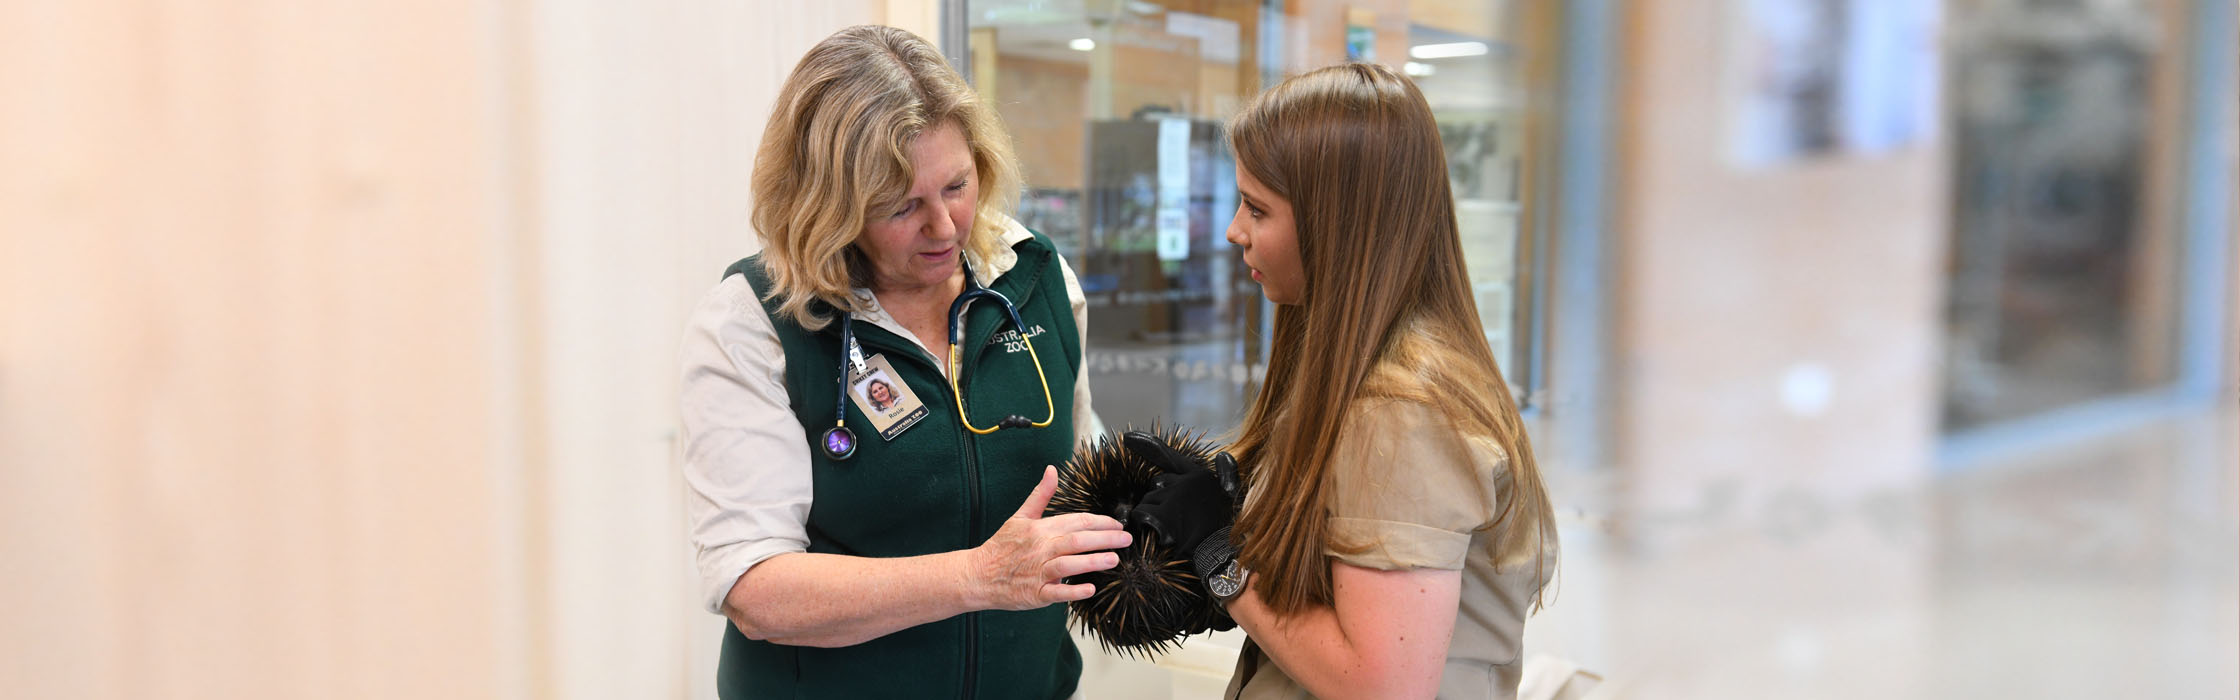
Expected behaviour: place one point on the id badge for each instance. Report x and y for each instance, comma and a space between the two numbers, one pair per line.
882, 396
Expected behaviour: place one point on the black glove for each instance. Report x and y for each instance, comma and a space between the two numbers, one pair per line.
1188, 501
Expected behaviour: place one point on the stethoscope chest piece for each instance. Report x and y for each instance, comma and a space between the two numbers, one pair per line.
840, 443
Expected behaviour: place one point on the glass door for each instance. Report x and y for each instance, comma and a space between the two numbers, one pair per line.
1117, 108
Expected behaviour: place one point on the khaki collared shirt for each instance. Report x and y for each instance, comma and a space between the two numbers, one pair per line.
1409, 491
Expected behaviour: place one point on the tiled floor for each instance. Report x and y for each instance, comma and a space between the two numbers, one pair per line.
2097, 569
2102, 568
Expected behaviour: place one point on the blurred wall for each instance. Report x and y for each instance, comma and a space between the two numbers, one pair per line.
2232, 278
337, 340
1776, 324
646, 117
258, 437
1774, 363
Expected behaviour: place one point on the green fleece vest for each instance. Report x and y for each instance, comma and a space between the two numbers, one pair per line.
934, 488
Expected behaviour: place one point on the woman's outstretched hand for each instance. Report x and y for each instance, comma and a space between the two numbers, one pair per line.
1023, 565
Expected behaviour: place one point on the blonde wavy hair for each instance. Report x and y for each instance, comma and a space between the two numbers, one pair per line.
836, 150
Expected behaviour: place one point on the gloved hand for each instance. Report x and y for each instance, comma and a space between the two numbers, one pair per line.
1187, 502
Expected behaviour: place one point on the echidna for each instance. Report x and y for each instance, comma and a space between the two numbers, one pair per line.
1153, 598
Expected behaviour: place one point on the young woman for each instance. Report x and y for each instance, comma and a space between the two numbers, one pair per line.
1396, 532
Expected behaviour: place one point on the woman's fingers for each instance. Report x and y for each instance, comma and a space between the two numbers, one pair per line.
1225, 466
1080, 521
1040, 552
1090, 541
1064, 593
1078, 564
1039, 499
1154, 450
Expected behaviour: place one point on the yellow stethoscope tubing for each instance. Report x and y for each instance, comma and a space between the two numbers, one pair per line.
956, 367
956, 357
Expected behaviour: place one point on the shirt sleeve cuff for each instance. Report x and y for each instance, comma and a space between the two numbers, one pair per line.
1391, 545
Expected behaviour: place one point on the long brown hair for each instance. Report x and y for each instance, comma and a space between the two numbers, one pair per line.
837, 147
1356, 152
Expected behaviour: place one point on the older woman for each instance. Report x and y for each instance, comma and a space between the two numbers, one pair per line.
896, 552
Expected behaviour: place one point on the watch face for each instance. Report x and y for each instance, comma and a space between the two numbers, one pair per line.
1228, 583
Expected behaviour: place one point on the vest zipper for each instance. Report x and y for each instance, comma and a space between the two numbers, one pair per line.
971, 653
972, 534
972, 537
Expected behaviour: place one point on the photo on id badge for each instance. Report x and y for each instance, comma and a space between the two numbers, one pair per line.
886, 400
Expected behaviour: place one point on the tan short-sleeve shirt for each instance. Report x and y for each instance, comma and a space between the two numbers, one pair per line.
1410, 491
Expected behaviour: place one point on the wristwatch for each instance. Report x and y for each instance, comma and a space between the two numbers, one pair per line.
1229, 582
1216, 562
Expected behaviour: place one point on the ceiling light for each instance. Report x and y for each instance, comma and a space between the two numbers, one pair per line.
1082, 44
1454, 50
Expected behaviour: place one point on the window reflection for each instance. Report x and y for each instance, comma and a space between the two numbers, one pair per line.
2061, 271
1118, 110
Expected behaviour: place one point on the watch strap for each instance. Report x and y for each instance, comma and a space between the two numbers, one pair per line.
1214, 554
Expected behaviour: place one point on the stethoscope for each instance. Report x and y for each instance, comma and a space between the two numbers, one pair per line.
840, 442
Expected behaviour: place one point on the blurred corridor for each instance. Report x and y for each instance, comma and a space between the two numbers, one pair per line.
2103, 568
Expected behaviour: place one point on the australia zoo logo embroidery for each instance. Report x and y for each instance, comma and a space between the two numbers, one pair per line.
1012, 341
